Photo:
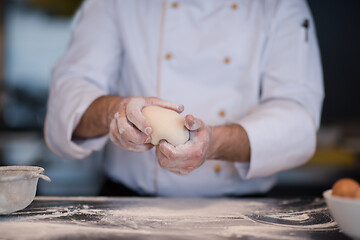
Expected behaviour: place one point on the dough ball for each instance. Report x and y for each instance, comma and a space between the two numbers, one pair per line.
166, 124
345, 187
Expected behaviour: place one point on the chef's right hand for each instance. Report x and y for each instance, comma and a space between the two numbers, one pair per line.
128, 127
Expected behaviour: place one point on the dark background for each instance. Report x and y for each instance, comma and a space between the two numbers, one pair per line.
338, 28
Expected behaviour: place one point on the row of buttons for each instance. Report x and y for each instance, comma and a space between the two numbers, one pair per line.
222, 113
176, 4
169, 56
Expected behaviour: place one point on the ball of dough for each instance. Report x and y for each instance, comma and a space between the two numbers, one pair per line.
166, 124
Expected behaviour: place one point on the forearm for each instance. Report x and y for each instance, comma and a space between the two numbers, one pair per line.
229, 143
95, 121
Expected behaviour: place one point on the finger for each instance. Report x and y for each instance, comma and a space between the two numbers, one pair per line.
132, 146
193, 123
169, 150
135, 116
184, 152
172, 166
161, 158
114, 133
131, 134
118, 140
138, 147
166, 163
165, 104
178, 167
182, 157
180, 172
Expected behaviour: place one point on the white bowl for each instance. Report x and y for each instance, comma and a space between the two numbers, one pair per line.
346, 212
18, 187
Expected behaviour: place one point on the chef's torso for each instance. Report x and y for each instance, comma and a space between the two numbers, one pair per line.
205, 55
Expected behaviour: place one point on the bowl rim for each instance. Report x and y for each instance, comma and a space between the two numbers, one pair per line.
328, 195
30, 172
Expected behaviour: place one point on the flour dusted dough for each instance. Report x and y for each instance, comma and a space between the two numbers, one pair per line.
166, 124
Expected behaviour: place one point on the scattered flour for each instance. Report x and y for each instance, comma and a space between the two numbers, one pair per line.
157, 217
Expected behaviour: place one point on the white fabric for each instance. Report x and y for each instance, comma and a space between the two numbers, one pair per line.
272, 84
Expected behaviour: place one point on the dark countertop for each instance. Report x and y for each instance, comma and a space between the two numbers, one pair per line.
171, 218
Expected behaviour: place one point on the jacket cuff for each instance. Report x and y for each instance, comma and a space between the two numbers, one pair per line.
64, 114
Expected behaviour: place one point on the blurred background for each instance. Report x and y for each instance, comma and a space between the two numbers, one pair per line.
34, 34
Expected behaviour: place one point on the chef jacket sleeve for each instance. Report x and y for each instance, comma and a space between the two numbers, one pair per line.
84, 73
282, 127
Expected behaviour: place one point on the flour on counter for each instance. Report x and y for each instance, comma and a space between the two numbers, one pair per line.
160, 218
292, 217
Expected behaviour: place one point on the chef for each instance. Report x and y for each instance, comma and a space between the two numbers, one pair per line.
246, 74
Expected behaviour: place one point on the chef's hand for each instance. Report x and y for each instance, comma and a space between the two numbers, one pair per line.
129, 129
186, 157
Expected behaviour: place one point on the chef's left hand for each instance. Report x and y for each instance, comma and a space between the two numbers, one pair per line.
185, 158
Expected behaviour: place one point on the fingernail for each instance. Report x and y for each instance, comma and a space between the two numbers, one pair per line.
116, 115
190, 168
180, 108
148, 130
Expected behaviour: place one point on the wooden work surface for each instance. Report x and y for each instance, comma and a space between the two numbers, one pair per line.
171, 218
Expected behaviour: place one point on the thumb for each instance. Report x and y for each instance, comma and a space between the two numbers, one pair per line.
193, 123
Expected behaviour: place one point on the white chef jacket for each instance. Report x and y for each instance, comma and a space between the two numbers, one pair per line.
255, 63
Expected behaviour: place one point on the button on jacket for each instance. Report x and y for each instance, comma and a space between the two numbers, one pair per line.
247, 62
